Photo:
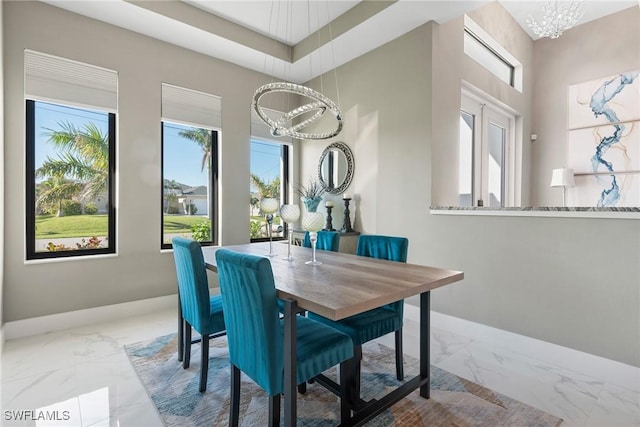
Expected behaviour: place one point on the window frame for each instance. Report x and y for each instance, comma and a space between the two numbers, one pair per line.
285, 168
30, 185
213, 202
485, 112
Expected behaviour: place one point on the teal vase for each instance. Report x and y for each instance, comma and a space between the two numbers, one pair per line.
312, 204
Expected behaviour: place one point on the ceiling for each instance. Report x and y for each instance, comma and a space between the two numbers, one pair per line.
286, 38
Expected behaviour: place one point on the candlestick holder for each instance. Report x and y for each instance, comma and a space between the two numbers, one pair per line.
329, 225
268, 206
346, 224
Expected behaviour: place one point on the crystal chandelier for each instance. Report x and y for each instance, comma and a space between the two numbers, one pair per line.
557, 16
284, 126
293, 123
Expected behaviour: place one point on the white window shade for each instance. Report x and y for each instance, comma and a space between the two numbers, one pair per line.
191, 107
259, 129
51, 78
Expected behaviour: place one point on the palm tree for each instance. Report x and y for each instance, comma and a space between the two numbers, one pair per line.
202, 137
170, 194
266, 189
54, 190
85, 157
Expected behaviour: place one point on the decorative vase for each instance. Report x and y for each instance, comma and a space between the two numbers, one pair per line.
312, 204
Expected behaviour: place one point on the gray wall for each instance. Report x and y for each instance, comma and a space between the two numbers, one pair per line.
594, 50
139, 270
549, 278
451, 66
553, 279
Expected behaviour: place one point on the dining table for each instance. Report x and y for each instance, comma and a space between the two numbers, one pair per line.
345, 285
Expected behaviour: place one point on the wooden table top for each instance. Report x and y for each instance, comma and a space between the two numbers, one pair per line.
344, 284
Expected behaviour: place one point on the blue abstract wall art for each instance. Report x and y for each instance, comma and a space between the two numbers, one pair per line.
604, 140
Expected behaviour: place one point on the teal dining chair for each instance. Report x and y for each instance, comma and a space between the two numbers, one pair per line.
327, 241
380, 321
255, 335
198, 310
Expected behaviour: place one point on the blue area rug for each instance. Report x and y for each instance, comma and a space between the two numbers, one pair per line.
454, 401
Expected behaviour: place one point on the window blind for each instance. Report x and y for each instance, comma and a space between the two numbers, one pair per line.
51, 78
191, 107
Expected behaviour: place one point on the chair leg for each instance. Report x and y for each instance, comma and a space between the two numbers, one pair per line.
180, 332
399, 356
204, 362
234, 408
345, 392
302, 388
274, 411
187, 345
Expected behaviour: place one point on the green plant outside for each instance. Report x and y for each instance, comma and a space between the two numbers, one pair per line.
201, 232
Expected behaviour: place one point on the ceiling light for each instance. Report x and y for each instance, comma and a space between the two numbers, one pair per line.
557, 16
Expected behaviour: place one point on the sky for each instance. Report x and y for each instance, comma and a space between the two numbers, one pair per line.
182, 157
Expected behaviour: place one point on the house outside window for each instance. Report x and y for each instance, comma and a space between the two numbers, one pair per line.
70, 111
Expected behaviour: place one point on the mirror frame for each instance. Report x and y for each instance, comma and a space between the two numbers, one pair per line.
344, 148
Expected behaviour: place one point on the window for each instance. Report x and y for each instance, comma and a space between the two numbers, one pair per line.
190, 123
70, 157
486, 51
269, 177
486, 157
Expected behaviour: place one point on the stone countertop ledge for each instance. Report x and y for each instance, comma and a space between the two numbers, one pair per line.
552, 211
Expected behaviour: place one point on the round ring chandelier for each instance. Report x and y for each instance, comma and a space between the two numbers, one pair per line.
283, 126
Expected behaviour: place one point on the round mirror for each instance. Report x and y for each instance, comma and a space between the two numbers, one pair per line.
335, 169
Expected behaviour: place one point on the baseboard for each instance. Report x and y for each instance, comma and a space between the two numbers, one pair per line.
62, 321
608, 370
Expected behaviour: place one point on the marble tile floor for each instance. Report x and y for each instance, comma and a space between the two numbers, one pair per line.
83, 376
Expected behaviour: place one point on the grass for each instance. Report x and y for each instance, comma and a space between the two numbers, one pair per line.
180, 223
52, 227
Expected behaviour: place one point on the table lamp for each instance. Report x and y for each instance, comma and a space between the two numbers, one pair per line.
562, 178
269, 206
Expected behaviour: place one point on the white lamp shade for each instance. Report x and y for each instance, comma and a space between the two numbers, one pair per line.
562, 178
313, 221
289, 213
269, 205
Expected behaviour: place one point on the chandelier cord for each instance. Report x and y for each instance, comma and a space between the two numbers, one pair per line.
307, 113
333, 58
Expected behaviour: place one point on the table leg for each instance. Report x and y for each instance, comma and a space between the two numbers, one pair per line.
425, 335
290, 358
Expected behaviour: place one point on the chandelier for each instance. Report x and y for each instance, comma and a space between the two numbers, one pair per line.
557, 16
314, 103
284, 126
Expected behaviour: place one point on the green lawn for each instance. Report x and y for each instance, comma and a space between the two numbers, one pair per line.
50, 227
180, 223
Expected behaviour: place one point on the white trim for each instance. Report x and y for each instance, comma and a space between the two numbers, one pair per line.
538, 213
61, 321
608, 370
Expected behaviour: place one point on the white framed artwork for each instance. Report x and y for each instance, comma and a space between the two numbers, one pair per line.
604, 140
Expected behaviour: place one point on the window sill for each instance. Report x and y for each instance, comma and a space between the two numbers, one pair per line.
554, 212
